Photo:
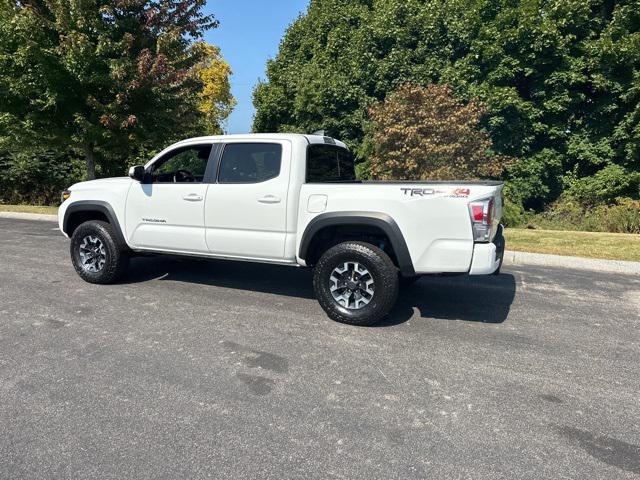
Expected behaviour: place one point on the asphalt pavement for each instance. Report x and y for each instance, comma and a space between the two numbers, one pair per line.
214, 369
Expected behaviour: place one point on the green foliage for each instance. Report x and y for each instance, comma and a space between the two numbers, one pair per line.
37, 177
537, 179
604, 187
102, 80
564, 214
513, 214
623, 216
561, 78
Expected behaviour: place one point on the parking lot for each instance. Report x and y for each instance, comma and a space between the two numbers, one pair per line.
196, 369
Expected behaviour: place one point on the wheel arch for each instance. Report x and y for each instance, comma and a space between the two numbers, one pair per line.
85, 210
377, 220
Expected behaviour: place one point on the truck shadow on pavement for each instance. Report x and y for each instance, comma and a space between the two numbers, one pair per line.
485, 299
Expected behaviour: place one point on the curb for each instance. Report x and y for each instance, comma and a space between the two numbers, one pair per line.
29, 216
510, 258
576, 263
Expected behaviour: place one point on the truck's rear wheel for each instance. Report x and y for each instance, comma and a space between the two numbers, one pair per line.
356, 283
96, 254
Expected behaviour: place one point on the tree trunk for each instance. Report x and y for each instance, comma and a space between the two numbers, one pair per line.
89, 158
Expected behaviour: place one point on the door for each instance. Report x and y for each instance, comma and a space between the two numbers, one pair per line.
246, 209
166, 211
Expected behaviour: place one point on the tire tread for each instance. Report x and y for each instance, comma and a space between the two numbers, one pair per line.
385, 294
117, 257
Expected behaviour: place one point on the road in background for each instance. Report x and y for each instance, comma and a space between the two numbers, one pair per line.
231, 370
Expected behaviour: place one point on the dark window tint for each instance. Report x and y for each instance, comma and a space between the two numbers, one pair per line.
328, 163
182, 165
250, 162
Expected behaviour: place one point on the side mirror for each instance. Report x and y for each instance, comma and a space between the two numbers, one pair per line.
137, 173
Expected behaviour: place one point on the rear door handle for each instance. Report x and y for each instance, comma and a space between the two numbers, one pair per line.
269, 199
193, 197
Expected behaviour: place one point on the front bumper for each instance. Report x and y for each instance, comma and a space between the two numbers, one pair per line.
487, 257
61, 211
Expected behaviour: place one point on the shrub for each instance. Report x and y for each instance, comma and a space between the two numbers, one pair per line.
513, 214
564, 214
568, 214
37, 177
604, 187
427, 133
621, 218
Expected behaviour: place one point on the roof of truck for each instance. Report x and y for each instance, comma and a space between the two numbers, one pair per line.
311, 139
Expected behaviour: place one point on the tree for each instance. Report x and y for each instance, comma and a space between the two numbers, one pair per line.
105, 79
426, 133
216, 101
560, 78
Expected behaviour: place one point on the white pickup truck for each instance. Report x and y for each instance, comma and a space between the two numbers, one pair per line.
286, 199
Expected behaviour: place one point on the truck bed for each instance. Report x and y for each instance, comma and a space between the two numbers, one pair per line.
433, 216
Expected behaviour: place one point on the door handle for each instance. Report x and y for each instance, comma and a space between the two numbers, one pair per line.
269, 199
192, 197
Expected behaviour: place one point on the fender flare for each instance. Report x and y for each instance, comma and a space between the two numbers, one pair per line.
372, 219
94, 206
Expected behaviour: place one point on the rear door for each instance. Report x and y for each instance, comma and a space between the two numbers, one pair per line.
166, 211
246, 208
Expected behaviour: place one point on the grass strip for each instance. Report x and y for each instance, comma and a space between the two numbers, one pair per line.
29, 209
609, 246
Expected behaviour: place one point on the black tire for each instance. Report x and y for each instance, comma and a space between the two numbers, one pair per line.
380, 268
408, 281
116, 258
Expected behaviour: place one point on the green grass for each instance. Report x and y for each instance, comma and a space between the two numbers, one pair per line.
609, 246
29, 209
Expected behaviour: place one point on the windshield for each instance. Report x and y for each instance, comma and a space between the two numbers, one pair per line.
329, 163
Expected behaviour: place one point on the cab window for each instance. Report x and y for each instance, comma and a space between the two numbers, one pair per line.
183, 165
250, 162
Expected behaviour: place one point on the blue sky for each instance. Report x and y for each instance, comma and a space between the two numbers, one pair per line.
249, 33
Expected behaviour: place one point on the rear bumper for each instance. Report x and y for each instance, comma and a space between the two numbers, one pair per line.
487, 257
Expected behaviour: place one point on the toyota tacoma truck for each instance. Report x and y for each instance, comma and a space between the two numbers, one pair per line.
286, 199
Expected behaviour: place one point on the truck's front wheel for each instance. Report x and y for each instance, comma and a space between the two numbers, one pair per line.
95, 253
356, 283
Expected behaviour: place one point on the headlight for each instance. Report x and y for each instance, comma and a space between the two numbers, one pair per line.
65, 195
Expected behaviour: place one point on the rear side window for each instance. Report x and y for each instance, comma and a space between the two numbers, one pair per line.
329, 163
250, 162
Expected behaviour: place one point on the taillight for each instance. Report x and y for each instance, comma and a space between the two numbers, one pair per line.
481, 212
489, 212
477, 212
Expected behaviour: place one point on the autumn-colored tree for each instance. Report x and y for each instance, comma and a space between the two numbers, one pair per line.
102, 79
427, 133
216, 101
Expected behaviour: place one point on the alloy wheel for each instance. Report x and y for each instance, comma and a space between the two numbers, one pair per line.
352, 285
92, 254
